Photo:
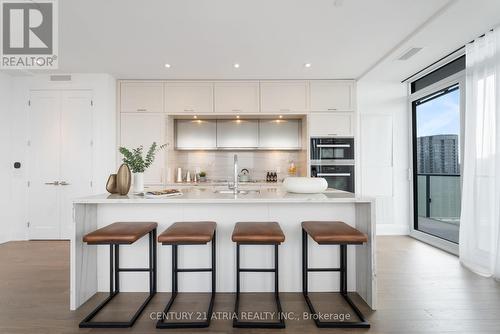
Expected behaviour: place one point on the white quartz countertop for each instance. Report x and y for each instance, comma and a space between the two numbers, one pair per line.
209, 195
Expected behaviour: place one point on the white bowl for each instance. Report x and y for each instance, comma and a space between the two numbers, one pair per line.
305, 185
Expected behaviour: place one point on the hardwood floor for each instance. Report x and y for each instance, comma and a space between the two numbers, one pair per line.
420, 289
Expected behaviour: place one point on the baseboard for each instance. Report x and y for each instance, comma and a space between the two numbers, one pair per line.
392, 229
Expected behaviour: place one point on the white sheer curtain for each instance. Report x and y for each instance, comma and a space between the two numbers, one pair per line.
480, 221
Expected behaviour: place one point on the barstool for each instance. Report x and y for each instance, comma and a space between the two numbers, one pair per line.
332, 233
188, 233
258, 233
115, 235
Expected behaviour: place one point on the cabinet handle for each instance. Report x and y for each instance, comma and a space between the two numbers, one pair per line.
332, 109
284, 109
236, 110
332, 134
188, 109
333, 145
141, 109
55, 183
334, 174
64, 183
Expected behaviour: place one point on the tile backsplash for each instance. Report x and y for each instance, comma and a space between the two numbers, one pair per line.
219, 164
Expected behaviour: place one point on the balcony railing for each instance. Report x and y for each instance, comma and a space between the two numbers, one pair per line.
439, 196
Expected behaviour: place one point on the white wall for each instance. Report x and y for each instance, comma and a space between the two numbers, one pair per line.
384, 140
104, 127
5, 163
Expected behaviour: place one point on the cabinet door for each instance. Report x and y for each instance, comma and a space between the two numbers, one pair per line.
141, 96
284, 96
195, 134
237, 133
279, 134
338, 124
144, 129
236, 97
189, 97
332, 95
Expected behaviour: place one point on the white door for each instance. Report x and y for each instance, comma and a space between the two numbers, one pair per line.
44, 166
76, 153
60, 159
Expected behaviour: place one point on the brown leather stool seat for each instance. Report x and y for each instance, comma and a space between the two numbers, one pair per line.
258, 233
120, 233
188, 233
333, 232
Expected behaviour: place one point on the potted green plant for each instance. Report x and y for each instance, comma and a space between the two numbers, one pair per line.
138, 164
203, 176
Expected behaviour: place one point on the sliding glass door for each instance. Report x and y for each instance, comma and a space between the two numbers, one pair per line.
437, 162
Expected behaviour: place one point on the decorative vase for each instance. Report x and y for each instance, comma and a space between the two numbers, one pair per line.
123, 180
138, 184
111, 185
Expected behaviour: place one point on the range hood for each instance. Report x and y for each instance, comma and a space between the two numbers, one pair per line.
236, 134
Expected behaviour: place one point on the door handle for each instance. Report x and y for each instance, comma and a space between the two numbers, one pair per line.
55, 183
64, 183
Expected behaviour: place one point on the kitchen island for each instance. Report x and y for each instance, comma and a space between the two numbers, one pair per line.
90, 264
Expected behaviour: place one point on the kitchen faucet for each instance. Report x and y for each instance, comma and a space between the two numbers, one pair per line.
235, 186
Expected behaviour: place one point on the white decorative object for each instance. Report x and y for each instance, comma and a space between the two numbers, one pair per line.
305, 185
138, 183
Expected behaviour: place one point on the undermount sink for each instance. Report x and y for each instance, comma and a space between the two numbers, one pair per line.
240, 192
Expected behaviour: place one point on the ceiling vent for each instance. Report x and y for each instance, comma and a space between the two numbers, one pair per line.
409, 53
60, 78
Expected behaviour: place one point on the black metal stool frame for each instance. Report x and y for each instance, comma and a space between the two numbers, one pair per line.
362, 323
255, 324
114, 286
175, 289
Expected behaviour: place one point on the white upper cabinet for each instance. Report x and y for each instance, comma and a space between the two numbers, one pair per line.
141, 96
236, 97
189, 97
334, 124
284, 96
144, 129
332, 95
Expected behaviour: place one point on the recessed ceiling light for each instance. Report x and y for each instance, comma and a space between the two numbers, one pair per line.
237, 116
167, 65
307, 65
281, 116
236, 65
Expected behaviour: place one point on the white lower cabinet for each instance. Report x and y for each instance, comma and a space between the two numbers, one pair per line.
144, 129
331, 124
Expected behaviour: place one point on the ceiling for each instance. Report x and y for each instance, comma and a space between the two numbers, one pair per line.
268, 38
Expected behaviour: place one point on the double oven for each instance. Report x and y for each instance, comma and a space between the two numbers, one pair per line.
333, 159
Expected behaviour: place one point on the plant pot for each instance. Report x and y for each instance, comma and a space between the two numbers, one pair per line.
138, 184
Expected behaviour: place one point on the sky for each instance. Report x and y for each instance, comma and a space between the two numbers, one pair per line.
439, 116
